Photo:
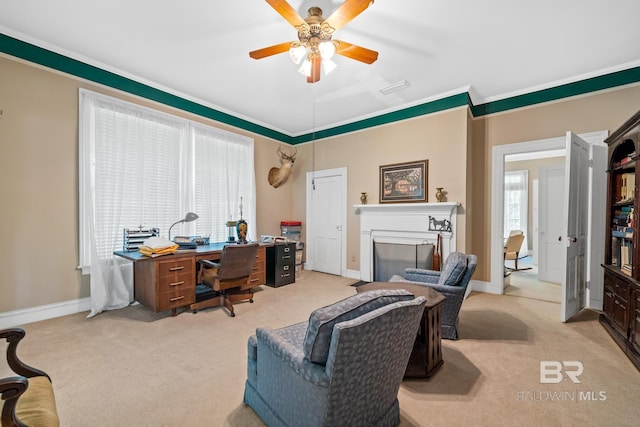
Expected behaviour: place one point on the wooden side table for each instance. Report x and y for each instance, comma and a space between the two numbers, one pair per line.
426, 356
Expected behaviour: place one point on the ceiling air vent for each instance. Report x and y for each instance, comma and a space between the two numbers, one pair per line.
402, 84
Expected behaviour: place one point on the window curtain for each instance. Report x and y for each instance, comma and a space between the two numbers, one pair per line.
516, 206
138, 168
224, 179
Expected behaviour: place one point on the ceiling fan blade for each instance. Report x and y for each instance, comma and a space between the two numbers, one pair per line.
315, 69
287, 12
271, 50
356, 52
345, 13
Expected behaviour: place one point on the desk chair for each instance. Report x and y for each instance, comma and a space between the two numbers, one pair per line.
229, 278
512, 248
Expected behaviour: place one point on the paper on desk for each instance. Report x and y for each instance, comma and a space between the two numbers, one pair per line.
158, 243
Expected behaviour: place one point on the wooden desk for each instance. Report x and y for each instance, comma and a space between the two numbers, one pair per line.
426, 356
169, 281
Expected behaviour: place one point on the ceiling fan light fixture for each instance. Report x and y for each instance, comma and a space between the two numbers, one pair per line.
328, 66
296, 53
305, 68
315, 47
327, 49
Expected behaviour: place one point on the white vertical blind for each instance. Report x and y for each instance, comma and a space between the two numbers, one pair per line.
140, 167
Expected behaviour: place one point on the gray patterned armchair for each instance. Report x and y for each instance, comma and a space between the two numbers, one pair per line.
341, 368
451, 281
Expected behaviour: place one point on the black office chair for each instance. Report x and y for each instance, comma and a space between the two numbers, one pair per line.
229, 278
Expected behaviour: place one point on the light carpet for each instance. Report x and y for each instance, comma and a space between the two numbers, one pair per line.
132, 367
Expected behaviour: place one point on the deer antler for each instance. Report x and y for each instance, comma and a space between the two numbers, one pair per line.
285, 156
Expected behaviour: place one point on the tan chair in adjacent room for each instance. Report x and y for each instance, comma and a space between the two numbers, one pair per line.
229, 278
512, 248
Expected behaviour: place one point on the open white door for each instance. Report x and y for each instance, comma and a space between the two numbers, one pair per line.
551, 267
325, 218
576, 217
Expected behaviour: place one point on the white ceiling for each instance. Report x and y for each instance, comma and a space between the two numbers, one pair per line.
199, 50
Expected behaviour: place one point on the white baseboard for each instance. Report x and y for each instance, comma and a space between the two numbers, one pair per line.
15, 318
487, 287
352, 274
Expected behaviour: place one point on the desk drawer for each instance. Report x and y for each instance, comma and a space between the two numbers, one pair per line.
283, 275
258, 273
176, 298
176, 267
284, 254
176, 282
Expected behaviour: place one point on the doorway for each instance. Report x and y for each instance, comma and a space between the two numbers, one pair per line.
539, 269
326, 221
497, 209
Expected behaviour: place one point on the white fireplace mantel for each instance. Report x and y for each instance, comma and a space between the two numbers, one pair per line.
403, 223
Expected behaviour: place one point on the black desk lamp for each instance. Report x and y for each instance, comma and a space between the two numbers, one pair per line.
188, 218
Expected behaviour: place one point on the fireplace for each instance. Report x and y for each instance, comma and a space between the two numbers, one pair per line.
393, 258
405, 223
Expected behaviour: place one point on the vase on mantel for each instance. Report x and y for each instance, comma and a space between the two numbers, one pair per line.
439, 194
363, 198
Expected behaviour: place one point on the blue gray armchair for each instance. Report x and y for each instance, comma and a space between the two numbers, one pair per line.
451, 281
341, 368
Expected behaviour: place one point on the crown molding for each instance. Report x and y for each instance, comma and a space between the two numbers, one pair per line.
101, 75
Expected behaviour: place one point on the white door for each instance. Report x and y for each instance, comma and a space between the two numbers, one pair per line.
325, 218
576, 223
551, 183
536, 227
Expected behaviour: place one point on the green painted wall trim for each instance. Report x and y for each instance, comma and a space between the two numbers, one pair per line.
41, 56
607, 81
47, 58
442, 104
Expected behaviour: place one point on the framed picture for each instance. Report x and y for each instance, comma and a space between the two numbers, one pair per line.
404, 182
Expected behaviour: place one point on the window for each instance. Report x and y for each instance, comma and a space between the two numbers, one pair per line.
141, 167
516, 196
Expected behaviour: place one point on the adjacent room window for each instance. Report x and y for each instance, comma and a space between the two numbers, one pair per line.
141, 167
516, 196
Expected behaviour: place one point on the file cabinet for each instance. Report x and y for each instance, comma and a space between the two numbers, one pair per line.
281, 260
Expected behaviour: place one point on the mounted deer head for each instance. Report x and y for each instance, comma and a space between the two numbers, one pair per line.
278, 176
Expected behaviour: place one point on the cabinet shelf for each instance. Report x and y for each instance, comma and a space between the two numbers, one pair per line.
626, 202
625, 167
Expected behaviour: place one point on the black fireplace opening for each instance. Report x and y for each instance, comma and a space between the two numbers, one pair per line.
393, 258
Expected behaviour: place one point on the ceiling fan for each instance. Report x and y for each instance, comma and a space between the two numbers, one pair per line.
315, 44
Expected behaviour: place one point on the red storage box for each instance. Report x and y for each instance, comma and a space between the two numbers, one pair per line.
291, 229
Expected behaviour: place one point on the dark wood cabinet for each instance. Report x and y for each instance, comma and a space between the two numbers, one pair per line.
635, 322
621, 311
281, 263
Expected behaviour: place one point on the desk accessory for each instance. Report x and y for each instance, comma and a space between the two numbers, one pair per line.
242, 227
190, 216
133, 238
231, 228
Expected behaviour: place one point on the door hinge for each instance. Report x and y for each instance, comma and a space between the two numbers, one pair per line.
590, 163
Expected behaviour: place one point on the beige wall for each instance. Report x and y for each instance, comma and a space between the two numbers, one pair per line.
605, 110
38, 155
440, 138
39, 192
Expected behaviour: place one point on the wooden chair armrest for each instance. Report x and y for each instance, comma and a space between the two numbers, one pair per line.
209, 264
11, 389
13, 337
